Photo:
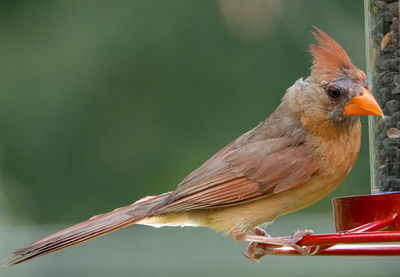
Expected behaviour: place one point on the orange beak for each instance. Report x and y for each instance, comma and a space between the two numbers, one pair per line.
365, 104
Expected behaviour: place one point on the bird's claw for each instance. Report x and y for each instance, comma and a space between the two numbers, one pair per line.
257, 250
297, 236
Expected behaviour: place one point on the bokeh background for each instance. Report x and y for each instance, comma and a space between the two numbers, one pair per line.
104, 102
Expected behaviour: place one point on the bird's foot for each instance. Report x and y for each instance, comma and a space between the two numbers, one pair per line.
261, 244
256, 250
297, 236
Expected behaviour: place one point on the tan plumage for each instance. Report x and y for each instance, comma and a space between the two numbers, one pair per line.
299, 154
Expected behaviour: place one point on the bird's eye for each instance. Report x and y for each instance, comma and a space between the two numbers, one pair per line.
334, 92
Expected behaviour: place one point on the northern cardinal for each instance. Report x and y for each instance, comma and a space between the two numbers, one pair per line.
298, 155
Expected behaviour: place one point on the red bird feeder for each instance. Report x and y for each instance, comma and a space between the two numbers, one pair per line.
363, 222
358, 219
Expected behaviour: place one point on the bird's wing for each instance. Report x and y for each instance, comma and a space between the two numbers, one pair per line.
238, 174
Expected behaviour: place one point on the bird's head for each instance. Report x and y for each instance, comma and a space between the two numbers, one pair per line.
336, 92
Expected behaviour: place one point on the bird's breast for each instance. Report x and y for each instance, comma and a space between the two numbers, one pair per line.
338, 154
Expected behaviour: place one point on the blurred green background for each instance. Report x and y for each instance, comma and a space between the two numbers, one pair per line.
104, 102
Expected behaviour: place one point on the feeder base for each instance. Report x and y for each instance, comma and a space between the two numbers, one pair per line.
353, 211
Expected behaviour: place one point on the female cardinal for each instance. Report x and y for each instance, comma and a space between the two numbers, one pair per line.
299, 154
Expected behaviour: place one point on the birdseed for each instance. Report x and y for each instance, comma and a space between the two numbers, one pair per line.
384, 77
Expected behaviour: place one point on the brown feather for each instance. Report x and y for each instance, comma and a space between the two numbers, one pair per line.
330, 60
239, 173
94, 227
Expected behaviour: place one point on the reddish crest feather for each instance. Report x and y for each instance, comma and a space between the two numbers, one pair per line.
330, 60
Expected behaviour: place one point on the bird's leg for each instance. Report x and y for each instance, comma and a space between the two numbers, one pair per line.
261, 243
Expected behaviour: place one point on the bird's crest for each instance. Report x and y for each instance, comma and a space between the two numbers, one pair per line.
330, 60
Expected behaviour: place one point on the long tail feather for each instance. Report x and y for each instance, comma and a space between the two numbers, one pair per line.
94, 227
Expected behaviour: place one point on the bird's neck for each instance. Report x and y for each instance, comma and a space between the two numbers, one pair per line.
327, 128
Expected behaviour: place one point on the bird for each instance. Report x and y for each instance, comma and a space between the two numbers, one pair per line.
299, 154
